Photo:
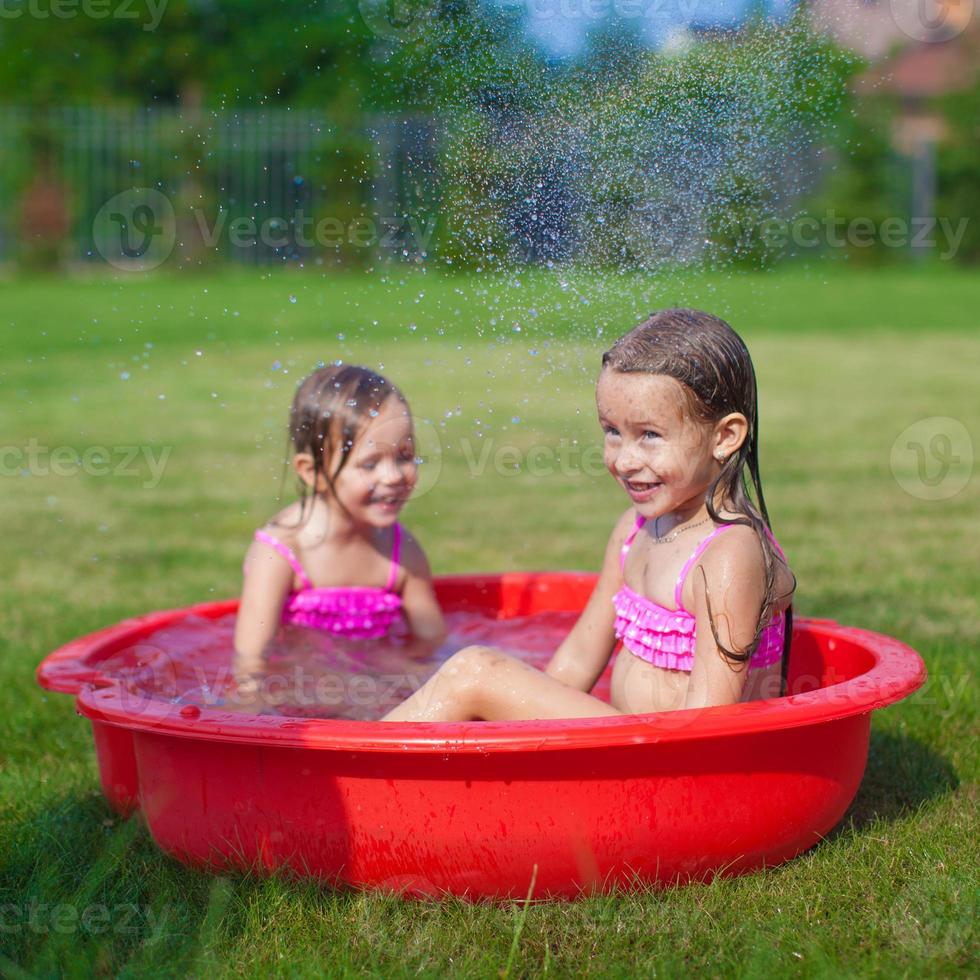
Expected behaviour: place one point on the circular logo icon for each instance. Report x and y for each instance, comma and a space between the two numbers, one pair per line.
931, 20
428, 453
932, 459
398, 20
135, 231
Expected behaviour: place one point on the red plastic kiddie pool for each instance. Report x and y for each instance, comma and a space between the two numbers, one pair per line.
478, 809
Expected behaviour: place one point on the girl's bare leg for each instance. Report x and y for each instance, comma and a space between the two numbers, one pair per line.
483, 683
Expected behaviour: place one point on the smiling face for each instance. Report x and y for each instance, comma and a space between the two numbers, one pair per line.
380, 472
663, 457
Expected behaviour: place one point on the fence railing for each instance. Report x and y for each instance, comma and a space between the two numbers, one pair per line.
136, 187
251, 186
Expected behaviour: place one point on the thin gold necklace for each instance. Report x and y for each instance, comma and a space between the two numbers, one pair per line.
667, 538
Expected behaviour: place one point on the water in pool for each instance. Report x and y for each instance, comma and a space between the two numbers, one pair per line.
310, 674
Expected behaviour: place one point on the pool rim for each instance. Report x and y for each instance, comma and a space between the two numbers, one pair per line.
896, 672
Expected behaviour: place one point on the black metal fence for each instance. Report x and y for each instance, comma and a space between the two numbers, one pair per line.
137, 187
252, 186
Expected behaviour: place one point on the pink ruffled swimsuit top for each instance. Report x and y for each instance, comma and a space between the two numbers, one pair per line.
666, 637
360, 612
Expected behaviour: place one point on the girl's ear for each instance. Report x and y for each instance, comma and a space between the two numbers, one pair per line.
730, 433
305, 470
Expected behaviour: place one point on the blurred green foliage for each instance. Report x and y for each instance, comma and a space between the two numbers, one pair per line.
604, 134
215, 52
958, 167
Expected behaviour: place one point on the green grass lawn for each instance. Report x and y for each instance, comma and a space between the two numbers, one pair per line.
196, 375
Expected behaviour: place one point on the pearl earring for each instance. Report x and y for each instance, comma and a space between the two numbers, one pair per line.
720, 457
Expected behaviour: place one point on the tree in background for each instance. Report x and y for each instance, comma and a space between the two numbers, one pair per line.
621, 155
198, 56
958, 168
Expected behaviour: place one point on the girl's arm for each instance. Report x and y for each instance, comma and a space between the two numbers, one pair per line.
734, 580
267, 583
419, 599
586, 650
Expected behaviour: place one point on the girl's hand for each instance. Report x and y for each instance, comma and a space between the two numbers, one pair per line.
246, 688
246, 679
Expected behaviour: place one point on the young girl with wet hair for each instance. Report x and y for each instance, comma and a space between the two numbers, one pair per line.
337, 559
693, 585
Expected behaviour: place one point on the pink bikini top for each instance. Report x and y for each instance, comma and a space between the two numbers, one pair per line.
362, 612
666, 637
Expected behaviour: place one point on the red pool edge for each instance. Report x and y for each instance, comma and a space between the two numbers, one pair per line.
833, 718
898, 672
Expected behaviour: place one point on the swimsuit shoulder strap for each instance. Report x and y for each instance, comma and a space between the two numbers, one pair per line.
396, 550
697, 553
294, 563
624, 551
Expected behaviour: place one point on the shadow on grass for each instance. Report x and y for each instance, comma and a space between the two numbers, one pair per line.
902, 773
87, 893
84, 891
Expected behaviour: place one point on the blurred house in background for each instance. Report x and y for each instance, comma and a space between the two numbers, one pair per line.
873, 28
920, 51
917, 74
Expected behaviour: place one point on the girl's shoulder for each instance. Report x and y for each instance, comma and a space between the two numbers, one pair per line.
735, 556
738, 542
413, 558
282, 526
293, 527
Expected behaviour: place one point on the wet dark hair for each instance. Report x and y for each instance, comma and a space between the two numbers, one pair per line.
713, 365
329, 409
